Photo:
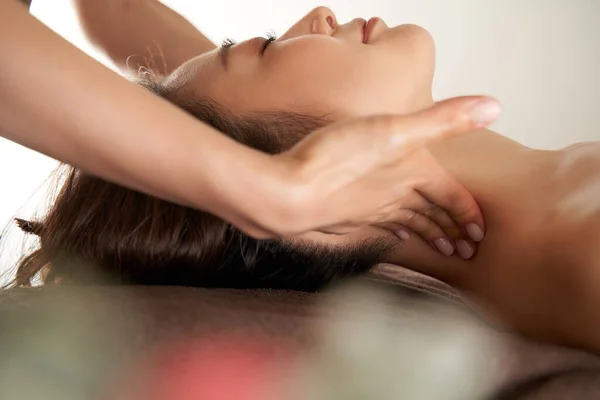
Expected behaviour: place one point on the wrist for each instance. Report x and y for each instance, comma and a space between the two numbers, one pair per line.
262, 197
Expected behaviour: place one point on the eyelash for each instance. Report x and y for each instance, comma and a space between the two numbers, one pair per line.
270, 38
227, 43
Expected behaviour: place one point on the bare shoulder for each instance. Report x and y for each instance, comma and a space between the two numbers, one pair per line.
572, 254
578, 207
577, 176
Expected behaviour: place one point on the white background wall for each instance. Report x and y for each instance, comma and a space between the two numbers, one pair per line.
541, 58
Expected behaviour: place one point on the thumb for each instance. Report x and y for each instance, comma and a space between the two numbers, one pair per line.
444, 120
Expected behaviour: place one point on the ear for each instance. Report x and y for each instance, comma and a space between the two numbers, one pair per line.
32, 227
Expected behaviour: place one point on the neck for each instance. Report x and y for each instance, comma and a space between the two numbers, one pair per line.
475, 149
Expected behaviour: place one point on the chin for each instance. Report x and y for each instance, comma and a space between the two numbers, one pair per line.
416, 32
414, 104
424, 103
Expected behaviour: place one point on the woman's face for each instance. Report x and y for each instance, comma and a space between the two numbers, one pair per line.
319, 66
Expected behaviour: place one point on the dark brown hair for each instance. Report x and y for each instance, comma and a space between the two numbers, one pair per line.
96, 227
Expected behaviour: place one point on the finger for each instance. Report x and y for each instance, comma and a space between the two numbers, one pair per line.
400, 231
339, 229
442, 219
465, 249
446, 119
449, 195
439, 216
426, 228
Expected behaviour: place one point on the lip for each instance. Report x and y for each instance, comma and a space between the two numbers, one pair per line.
369, 27
361, 24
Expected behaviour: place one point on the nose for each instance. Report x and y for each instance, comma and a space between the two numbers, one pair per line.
320, 21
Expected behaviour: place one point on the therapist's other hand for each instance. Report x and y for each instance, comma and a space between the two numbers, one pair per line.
377, 171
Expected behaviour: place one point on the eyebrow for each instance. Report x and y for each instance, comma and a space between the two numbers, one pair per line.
224, 51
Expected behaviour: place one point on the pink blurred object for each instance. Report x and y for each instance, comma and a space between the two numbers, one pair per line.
214, 369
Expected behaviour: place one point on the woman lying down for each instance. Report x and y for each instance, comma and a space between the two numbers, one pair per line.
538, 268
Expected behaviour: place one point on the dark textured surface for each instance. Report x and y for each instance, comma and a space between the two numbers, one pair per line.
147, 316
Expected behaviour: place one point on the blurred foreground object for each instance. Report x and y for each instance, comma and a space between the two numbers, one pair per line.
363, 351
60, 349
107, 342
373, 352
65, 349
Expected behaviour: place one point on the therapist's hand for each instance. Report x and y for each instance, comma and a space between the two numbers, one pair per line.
372, 170
377, 171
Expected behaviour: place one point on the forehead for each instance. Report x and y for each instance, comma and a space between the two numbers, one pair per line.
294, 75
191, 70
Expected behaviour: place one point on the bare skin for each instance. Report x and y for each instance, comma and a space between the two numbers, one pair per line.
538, 269
119, 134
137, 34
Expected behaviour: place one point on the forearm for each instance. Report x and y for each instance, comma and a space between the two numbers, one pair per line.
141, 33
62, 103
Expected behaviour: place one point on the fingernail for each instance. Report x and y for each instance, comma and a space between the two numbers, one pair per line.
475, 232
485, 112
465, 250
402, 234
444, 246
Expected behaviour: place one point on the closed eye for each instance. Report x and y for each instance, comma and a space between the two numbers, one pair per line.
224, 51
227, 43
270, 38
